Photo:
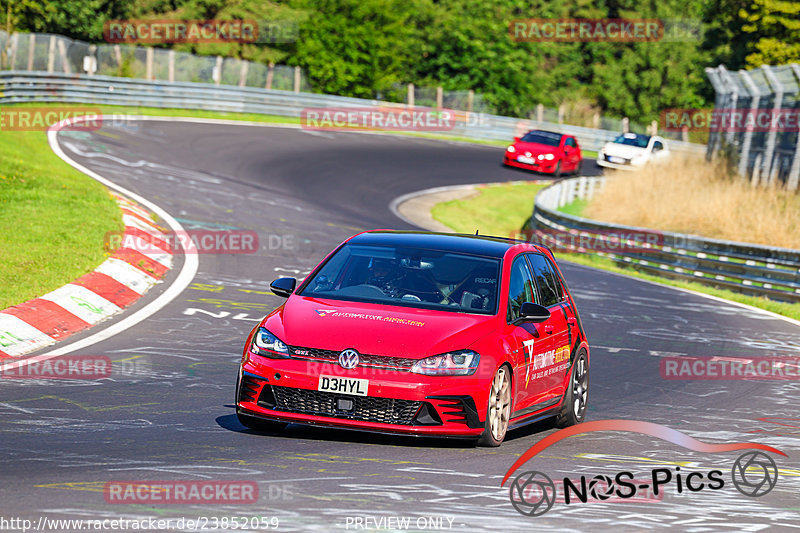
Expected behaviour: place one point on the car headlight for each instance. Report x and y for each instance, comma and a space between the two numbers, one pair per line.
460, 363
511, 149
268, 345
549, 157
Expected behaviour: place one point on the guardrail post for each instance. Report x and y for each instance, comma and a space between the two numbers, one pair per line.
470, 100
410, 95
270, 74
31, 47
793, 179
149, 63
13, 59
744, 157
297, 79
171, 66
243, 73
626, 125
217, 75
596, 121
769, 161
561, 114
756, 176
439, 97
118, 55
654, 127
581, 192
62, 50
540, 113
51, 55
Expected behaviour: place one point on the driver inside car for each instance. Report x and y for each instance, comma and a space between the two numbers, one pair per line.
402, 282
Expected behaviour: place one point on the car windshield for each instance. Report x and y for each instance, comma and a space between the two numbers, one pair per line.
412, 277
633, 139
542, 137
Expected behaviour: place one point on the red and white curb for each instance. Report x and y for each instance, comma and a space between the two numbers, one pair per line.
118, 282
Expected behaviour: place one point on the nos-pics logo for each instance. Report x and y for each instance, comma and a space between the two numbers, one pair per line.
533, 493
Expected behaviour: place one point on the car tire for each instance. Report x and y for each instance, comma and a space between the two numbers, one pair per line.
252, 422
573, 408
498, 409
578, 168
557, 171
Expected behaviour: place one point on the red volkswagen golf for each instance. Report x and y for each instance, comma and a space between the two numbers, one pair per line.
545, 151
419, 333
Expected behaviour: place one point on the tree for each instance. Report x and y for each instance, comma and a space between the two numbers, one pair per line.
773, 29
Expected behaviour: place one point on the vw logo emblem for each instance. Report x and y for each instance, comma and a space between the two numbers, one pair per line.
348, 359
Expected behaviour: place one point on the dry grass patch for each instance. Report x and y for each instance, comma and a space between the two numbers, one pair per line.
690, 195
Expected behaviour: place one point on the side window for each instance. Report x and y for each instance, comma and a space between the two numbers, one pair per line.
547, 284
657, 146
570, 142
520, 288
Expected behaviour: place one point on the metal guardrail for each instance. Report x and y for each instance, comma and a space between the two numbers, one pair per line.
747, 268
25, 86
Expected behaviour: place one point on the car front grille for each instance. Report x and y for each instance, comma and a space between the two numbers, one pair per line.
365, 408
364, 360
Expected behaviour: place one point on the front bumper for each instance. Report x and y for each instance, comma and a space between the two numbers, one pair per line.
548, 167
628, 165
398, 401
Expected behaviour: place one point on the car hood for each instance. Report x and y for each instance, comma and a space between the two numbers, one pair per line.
535, 148
375, 329
623, 150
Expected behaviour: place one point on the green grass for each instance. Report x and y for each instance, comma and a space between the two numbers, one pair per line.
575, 208
53, 219
496, 210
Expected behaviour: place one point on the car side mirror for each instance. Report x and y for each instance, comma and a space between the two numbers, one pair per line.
531, 312
283, 287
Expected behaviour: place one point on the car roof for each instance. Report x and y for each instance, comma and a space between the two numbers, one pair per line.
548, 131
451, 242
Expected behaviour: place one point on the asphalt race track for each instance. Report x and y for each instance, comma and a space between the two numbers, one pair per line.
167, 413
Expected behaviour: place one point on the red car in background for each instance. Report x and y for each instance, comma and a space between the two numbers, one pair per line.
422, 334
545, 151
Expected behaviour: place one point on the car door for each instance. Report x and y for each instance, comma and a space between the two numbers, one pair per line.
659, 150
526, 339
551, 294
572, 154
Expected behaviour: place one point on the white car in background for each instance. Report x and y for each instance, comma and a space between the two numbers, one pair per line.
630, 151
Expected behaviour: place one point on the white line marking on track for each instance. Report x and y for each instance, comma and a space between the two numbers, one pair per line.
184, 278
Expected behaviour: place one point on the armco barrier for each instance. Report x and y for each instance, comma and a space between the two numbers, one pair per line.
25, 86
747, 268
